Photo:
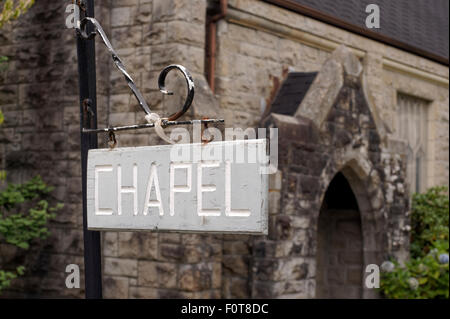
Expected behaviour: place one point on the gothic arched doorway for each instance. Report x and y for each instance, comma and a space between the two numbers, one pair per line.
339, 246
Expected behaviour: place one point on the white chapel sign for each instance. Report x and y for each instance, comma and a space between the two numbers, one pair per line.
217, 187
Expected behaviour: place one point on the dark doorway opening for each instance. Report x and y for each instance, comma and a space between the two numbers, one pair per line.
339, 246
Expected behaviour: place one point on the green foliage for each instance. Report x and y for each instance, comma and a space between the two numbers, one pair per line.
7, 276
430, 221
426, 274
20, 229
17, 228
12, 9
19, 193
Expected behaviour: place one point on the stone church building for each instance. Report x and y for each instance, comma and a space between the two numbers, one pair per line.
362, 117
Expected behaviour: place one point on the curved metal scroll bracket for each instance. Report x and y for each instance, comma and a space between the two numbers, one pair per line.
190, 85
117, 61
82, 32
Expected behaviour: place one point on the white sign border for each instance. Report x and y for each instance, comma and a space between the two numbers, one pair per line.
264, 185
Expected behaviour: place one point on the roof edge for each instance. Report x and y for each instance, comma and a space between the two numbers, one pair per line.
315, 14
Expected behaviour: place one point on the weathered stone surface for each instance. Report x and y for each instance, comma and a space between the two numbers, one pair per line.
239, 288
157, 274
143, 293
110, 244
195, 277
344, 124
120, 267
235, 265
347, 134
115, 287
134, 245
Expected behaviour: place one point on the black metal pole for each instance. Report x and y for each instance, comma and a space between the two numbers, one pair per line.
88, 119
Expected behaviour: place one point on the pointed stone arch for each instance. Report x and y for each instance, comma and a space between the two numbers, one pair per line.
339, 257
334, 130
341, 67
364, 182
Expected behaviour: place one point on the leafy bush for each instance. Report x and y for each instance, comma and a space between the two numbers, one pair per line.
7, 276
20, 229
12, 9
426, 274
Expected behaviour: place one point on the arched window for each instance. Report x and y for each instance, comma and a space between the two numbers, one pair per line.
412, 128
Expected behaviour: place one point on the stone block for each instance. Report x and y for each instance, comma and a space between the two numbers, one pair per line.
264, 269
69, 214
143, 293
195, 277
354, 276
155, 33
169, 238
137, 245
120, 267
235, 248
115, 287
127, 37
191, 57
262, 290
239, 288
171, 252
157, 274
110, 244
66, 240
125, 3
122, 16
185, 32
235, 265
216, 280
144, 13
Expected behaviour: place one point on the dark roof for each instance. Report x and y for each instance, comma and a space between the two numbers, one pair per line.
292, 92
418, 26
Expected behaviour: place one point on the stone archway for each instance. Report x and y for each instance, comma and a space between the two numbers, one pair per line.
350, 190
334, 130
340, 259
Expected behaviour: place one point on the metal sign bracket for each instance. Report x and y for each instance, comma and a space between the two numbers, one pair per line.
153, 119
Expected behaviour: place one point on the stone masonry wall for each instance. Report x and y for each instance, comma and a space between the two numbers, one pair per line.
39, 97
150, 35
347, 141
254, 55
252, 62
41, 135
